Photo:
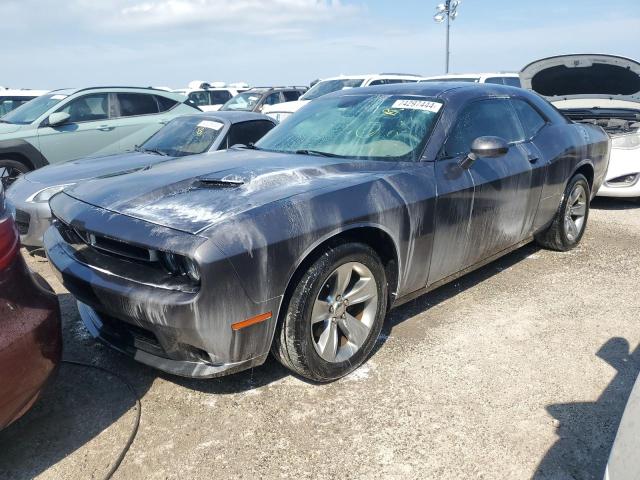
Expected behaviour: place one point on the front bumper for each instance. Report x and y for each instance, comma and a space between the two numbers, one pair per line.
622, 162
182, 333
32, 218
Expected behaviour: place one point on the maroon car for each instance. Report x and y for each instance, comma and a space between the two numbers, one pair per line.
30, 332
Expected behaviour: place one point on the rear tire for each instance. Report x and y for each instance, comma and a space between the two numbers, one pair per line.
334, 315
570, 221
10, 170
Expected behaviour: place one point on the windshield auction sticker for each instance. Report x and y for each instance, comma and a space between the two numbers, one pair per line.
418, 105
210, 124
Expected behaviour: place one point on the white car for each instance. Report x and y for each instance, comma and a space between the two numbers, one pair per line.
210, 96
501, 78
602, 90
10, 99
283, 110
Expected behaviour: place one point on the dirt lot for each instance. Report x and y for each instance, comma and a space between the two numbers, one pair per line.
518, 370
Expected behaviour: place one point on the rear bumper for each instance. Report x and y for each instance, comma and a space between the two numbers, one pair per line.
30, 340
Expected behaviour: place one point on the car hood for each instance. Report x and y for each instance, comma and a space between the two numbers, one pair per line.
7, 128
87, 168
194, 193
583, 76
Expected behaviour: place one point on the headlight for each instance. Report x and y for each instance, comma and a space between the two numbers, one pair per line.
178, 265
46, 193
627, 141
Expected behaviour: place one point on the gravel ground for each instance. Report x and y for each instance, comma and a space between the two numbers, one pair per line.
519, 370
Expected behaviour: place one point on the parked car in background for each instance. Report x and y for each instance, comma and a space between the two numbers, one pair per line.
602, 90
500, 78
282, 111
182, 136
10, 99
299, 244
73, 123
30, 330
258, 98
210, 97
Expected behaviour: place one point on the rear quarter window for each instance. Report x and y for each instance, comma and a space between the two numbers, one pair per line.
135, 104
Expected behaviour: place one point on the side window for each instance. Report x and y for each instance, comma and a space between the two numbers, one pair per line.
512, 81
493, 117
497, 80
291, 95
219, 97
165, 103
531, 120
199, 98
248, 132
133, 104
273, 99
88, 108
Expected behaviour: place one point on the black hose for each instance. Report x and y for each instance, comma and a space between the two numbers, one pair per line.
136, 424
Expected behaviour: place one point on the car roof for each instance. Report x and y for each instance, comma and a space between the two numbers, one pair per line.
474, 75
373, 76
231, 116
124, 89
21, 92
443, 90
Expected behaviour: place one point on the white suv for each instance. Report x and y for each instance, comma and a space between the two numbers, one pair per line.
501, 78
209, 97
329, 85
11, 99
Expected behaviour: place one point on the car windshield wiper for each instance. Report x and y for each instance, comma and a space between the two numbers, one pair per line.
151, 150
248, 146
317, 153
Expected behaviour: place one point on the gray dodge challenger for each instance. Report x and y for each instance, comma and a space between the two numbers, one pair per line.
300, 244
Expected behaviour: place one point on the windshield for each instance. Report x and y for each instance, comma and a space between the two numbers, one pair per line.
328, 86
184, 136
32, 110
243, 101
369, 127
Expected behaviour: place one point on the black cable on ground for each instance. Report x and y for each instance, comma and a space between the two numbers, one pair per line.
136, 424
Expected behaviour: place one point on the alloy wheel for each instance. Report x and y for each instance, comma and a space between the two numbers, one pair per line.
344, 312
575, 212
8, 175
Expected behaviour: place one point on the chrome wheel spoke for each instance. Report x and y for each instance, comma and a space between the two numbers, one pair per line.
579, 210
320, 311
364, 289
572, 229
355, 331
328, 342
342, 277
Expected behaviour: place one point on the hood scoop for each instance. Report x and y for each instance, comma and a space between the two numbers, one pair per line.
217, 182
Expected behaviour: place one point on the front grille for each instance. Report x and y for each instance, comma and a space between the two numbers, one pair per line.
130, 337
23, 219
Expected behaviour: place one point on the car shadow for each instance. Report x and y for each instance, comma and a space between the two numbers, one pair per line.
586, 430
611, 203
433, 298
80, 403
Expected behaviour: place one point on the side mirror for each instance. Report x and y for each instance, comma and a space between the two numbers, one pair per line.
58, 118
485, 147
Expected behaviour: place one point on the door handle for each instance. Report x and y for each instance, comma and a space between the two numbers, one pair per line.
105, 128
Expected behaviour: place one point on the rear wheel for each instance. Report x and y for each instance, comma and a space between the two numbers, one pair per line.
335, 314
570, 221
10, 170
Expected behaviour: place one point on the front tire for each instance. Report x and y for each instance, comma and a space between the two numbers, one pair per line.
334, 315
570, 221
10, 170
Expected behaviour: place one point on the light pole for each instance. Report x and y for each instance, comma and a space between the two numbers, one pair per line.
447, 11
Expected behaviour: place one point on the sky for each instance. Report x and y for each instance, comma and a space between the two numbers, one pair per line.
75, 43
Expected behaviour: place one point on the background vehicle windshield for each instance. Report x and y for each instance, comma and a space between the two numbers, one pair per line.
243, 101
31, 110
185, 136
371, 127
328, 86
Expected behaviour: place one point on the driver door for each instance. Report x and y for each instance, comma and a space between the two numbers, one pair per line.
481, 210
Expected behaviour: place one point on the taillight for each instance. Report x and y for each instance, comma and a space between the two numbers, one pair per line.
9, 242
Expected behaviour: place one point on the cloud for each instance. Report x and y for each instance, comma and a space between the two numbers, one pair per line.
267, 17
